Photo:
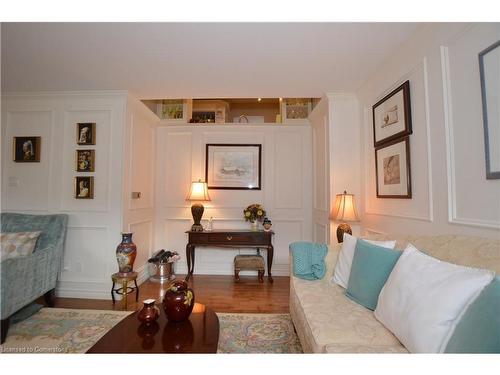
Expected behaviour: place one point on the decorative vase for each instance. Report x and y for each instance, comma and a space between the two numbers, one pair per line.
255, 226
149, 312
178, 301
267, 224
126, 252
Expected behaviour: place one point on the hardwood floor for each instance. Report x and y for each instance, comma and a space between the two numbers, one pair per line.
221, 293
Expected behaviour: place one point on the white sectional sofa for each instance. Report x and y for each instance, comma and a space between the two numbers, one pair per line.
327, 321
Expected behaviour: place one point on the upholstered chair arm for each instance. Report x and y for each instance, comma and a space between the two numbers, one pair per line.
25, 279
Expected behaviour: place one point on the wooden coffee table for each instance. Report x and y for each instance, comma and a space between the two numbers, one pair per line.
198, 334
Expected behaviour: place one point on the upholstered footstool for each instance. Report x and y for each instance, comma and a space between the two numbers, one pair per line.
249, 263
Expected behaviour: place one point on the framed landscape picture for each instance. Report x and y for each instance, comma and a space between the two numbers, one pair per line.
85, 161
26, 149
233, 166
84, 187
85, 133
392, 166
392, 116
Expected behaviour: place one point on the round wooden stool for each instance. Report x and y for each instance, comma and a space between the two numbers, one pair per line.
124, 289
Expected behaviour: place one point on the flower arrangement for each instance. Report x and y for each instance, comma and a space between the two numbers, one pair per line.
254, 212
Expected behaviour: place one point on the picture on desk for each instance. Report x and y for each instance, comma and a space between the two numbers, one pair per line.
233, 166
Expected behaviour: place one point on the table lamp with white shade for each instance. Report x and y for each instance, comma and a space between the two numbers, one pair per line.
198, 193
344, 210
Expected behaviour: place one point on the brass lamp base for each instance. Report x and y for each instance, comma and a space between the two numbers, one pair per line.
197, 212
341, 229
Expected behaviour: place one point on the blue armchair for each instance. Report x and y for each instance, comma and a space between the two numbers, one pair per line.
25, 279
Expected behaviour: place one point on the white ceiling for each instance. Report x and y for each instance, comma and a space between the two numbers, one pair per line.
168, 60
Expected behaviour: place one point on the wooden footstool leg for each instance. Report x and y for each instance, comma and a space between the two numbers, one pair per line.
237, 274
124, 295
261, 276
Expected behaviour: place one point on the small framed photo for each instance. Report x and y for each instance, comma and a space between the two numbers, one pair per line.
85, 133
85, 160
392, 116
233, 166
392, 165
84, 187
26, 149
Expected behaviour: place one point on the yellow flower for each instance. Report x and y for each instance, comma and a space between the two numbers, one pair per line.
259, 213
247, 214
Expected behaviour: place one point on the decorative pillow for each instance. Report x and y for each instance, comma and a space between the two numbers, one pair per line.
19, 244
344, 261
424, 298
478, 331
371, 267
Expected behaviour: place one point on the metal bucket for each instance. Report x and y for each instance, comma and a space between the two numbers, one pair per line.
161, 272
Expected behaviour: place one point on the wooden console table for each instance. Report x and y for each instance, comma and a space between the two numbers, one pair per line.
235, 238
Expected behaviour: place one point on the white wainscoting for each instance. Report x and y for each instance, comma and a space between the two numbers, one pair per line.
286, 190
48, 187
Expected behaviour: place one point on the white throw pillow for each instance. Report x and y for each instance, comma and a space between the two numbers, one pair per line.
344, 261
424, 299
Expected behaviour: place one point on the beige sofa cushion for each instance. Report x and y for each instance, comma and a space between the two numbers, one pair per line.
463, 250
335, 323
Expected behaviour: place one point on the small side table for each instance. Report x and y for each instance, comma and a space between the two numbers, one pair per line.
123, 288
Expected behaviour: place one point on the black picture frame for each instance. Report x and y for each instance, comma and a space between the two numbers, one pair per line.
236, 170
379, 115
401, 180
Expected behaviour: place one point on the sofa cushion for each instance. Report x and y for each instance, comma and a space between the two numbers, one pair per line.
344, 262
17, 244
478, 331
331, 318
423, 299
371, 267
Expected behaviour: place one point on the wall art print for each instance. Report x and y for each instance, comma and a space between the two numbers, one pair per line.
392, 116
233, 166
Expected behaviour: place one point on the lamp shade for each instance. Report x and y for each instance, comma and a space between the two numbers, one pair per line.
345, 208
198, 191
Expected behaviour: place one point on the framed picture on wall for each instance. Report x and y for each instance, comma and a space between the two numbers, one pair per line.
26, 149
233, 166
84, 187
85, 161
392, 116
85, 133
392, 166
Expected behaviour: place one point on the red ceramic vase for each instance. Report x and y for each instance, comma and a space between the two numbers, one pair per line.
178, 301
126, 252
149, 312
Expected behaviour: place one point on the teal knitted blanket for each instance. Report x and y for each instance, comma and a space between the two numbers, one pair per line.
309, 260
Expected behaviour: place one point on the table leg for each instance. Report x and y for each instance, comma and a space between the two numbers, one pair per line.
136, 291
270, 253
188, 260
112, 294
124, 294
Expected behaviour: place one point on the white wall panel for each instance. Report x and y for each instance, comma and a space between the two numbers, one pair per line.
447, 145
94, 224
286, 190
27, 184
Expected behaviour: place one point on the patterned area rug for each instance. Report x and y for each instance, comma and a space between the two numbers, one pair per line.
54, 330
257, 333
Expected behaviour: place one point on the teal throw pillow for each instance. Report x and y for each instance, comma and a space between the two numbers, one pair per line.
478, 331
371, 266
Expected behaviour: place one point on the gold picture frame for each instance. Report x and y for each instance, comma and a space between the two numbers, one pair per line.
85, 133
26, 149
85, 160
84, 187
